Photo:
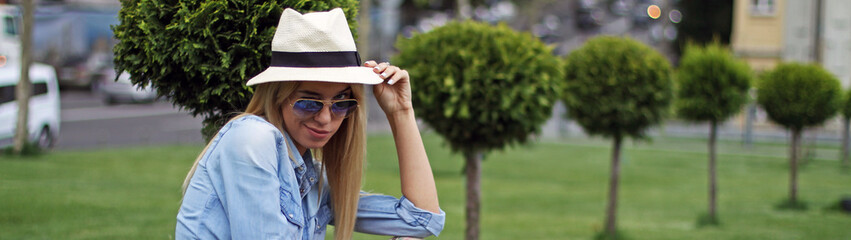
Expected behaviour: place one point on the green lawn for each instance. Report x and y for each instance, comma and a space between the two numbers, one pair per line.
550, 190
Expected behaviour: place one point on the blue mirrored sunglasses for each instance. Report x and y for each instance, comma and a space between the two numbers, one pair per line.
305, 108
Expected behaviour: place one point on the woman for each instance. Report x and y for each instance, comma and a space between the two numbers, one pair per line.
292, 163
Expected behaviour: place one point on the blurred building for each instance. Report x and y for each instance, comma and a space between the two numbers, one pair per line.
766, 32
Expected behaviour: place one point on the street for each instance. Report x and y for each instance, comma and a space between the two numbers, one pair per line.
88, 123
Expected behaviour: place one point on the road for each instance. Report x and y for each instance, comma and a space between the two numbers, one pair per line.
87, 123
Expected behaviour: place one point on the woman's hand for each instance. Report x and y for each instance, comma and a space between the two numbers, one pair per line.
393, 95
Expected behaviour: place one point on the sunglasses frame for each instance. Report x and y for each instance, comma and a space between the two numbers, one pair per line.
328, 103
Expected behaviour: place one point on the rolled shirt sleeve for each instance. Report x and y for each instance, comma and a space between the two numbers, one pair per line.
387, 215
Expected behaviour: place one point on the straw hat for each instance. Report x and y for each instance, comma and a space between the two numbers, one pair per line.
315, 46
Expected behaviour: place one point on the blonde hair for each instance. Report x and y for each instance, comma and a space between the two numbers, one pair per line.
342, 156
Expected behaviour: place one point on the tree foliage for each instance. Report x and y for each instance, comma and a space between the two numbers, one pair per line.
479, 86
712, 83
199, 54
617, 87
796, 95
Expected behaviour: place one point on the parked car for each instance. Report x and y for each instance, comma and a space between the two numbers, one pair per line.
122, 90
43, 121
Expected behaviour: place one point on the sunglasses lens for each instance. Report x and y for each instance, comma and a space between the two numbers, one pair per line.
344, 108
306, 107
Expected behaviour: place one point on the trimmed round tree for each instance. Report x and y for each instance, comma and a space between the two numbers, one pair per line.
482, 88
797, 96
616, 88
846, 119
199, 54
713, 86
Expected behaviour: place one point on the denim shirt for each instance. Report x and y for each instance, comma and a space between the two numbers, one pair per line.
252, 184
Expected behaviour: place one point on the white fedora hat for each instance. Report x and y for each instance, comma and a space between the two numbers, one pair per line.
315, 46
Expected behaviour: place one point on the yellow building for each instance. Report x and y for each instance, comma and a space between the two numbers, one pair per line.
757, 35
766, 32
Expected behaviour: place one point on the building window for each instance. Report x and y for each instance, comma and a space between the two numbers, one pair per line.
11, 27
763, 7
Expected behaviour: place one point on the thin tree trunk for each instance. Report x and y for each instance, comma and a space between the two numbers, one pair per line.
473, 170
793, 165
22, 91
611, 208
845, 142
713, 132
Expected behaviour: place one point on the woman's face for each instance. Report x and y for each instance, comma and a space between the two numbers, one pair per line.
314, 130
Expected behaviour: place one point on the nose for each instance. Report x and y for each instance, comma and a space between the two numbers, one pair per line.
324, 115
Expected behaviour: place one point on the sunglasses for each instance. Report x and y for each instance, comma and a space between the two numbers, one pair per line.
305, 108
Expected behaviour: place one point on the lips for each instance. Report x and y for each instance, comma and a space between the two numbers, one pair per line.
316, 133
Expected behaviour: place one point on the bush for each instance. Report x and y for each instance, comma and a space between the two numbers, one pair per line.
617, 87
712, 84
797, 96
481, 87
199, 54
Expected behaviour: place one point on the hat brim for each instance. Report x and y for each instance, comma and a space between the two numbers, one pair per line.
362, 75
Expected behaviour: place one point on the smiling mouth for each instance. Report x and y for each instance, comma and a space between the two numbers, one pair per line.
317, 133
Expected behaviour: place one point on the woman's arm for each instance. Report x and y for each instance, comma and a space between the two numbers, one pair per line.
394, 97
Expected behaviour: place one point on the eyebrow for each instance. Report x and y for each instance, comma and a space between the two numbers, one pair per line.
316, 94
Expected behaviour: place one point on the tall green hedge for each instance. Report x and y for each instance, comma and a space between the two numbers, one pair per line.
199, 54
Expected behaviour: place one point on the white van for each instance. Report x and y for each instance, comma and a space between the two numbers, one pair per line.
43, 119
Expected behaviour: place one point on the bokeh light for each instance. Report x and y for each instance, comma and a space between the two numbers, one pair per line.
675, 16
654, 11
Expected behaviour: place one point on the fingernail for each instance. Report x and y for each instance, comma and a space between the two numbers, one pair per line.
383, 75
376, 67
391, 82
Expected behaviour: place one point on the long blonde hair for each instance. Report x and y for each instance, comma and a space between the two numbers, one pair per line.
342, 156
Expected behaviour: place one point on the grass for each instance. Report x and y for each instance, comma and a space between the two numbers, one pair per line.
550, 190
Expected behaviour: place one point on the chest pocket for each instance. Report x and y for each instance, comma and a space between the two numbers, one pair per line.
323, 217
291, 208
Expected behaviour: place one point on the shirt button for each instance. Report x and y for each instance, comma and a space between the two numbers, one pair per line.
301, 190
312, 179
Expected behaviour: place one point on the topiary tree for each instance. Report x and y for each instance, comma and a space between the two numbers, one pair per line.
199, 54
798, 96
846, 116
482, 88
713, 86
617, 88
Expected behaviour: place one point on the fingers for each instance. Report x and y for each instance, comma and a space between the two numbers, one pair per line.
401, 75
392, 74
